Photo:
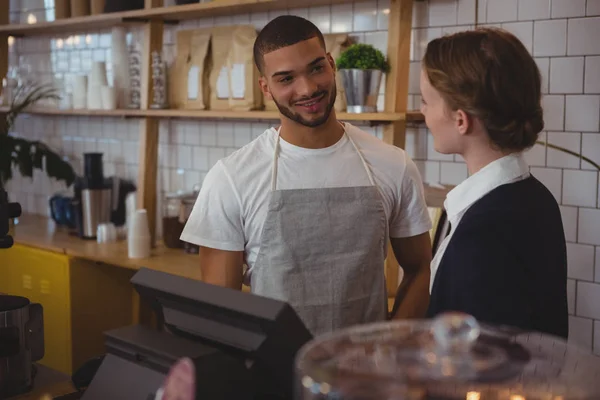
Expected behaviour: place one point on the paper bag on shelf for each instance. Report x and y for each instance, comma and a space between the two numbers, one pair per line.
80, 8
335, 43
189, 73
62, 9
97, 7
219, 81
245, 92
177, 87
197, 70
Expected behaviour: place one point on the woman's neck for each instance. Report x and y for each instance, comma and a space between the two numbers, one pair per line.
478, 157
318, 137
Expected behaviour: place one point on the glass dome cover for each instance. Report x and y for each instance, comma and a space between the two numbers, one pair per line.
447, 358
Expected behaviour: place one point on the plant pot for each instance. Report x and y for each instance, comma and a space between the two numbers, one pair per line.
362, 89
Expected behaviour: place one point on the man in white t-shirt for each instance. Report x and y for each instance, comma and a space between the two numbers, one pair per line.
309, 206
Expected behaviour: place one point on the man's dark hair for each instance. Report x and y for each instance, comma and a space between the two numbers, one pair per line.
283, 31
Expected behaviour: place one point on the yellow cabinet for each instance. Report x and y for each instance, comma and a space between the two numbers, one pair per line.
81, 300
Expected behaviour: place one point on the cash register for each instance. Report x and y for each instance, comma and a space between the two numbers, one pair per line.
243, 345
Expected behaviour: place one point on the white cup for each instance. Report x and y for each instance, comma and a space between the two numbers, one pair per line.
106, 233
80, 92
138, 235
94, 98
97, 74
109, 97
130, 207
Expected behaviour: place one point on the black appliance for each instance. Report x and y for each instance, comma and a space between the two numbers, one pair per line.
243, 345
21, 323
21, 343
8, 211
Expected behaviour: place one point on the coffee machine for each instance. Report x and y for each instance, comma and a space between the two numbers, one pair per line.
96, 200
21, 324
94, 195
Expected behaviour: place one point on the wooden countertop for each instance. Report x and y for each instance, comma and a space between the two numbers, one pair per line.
40, 232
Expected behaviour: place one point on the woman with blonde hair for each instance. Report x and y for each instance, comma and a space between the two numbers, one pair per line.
504, 261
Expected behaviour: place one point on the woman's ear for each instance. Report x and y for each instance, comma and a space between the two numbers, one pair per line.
463, 122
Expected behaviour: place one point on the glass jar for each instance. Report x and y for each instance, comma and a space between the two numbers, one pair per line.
171, 220
177, 208
186, 210
451, 357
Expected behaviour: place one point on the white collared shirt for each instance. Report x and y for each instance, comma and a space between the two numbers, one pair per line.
508, 169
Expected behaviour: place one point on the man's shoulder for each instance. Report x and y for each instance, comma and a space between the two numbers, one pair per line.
254, 153
376, 151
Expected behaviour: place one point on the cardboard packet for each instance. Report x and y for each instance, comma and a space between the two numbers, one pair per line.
245, 92
219, 81
189, 72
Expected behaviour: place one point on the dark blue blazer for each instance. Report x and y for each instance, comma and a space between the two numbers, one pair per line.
506, 262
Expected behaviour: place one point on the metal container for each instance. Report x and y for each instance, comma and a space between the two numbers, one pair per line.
96, 210
21, 343
96, 196
362, 89
452, 357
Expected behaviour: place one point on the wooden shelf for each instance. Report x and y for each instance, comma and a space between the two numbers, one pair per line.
84, 113
415, 116
381, 117
167, 14
69, 25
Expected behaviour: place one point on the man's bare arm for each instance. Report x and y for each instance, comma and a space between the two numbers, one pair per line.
221, 267
414, 256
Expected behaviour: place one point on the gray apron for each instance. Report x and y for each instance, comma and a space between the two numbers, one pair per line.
322, 251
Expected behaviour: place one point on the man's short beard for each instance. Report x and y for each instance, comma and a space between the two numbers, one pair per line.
314, 123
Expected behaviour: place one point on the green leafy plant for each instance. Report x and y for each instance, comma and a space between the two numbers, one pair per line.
24, 154
362, 56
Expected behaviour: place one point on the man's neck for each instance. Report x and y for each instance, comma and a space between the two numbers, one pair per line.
318, 137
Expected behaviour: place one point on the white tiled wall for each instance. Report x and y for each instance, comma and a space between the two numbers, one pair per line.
561, 34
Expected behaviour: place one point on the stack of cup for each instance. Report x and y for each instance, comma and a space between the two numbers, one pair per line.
106, 232
80, 91
138, 235
97, 79
109, 97
130, 207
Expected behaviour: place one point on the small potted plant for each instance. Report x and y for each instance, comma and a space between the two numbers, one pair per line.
362, 67
27, 155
